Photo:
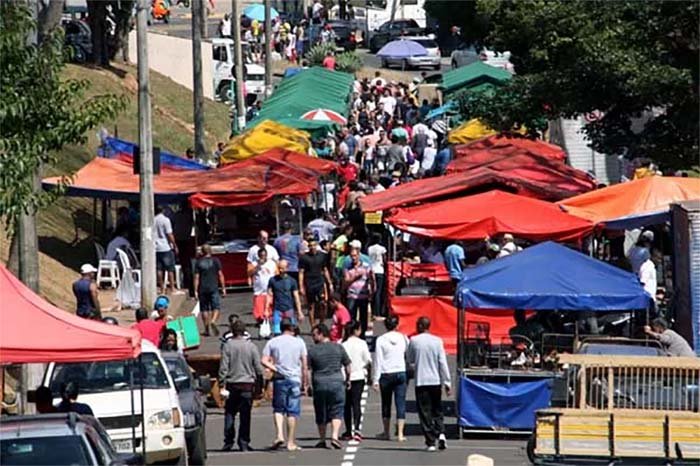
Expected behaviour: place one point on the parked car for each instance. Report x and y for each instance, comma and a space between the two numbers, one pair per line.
59, 439
432, 59
189, 391
343, 32
393, 30
77, 38
468, 54
105, 387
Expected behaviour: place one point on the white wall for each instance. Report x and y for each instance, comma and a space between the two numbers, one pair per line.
605, 167
172, 57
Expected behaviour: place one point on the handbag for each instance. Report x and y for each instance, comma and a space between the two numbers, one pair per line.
265, 329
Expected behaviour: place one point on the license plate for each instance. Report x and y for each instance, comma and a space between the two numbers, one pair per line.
123, 445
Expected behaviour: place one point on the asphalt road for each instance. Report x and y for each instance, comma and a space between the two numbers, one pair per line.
180, 25
505, 452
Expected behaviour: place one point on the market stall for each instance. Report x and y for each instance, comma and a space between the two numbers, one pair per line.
509, 144
544, 277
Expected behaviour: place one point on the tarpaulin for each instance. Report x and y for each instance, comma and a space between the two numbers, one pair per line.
456, 185
443, 318
469, 131
487, 214
628, 205
34, 331
114, 148
524, 164
501, 404
287, 159
265, 136
549, 276
114, 179
505, 143
472, 75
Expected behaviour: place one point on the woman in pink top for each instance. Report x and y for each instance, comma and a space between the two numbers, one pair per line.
341, 316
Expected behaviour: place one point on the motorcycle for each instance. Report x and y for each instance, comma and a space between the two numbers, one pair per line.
160, 10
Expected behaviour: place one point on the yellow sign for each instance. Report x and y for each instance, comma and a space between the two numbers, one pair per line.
373, 218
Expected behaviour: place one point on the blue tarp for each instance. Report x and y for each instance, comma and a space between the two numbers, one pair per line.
450, 107
500, 404
114, 148
550, 276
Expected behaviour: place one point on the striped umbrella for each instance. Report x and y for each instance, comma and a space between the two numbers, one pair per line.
323, 114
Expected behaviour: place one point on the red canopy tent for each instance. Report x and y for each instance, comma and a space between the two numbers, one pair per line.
34, 331
527, 165
458, 184
285, 158
511, 144
487, 214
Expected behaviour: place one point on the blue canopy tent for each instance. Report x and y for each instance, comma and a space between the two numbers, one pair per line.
115, 148
547, 276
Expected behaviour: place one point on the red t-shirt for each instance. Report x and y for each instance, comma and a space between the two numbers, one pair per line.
341, 316
150, 329
329, 62
348, 172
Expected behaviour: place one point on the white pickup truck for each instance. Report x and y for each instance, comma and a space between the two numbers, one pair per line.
223, 76
104, 386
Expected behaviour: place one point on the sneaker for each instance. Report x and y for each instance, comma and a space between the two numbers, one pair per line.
442, 442
357, 437
430, 448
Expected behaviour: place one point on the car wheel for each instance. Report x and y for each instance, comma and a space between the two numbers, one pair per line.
198, 454
454, 65
530, 449
225, 93
79, 55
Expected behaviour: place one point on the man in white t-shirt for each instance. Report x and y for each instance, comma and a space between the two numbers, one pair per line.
263, 238
389, 102
166, 249
260, 274
321, 228
647, 274
377, 258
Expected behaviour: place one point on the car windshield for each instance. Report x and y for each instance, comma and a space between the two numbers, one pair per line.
96, 377
180, 373
427, 43
68, 450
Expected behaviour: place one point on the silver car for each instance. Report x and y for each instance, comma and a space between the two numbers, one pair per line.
468, 54
432, 59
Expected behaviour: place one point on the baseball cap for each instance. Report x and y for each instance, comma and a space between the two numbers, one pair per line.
494, 247
356, 244
87, 268
648, 235
162, 302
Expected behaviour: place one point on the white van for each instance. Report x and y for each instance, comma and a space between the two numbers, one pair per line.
223, 76
104, 386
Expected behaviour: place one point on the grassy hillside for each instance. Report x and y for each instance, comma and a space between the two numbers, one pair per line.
65, 229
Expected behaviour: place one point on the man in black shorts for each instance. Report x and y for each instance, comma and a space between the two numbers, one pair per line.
313, 276
208, 277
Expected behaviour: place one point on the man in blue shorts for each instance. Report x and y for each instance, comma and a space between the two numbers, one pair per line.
285, 356
283, 297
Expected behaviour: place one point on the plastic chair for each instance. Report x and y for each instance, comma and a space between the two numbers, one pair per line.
107, 270
126, 267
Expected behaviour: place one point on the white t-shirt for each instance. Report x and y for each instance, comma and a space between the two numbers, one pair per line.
376, 254
163, 228
322, 229
647, 275
429, 154
389, 104
358, 352
271, 254
262, 277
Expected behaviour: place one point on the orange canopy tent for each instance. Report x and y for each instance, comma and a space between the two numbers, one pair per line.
635, 203
34, 331
491, 213
510, 144
278, 174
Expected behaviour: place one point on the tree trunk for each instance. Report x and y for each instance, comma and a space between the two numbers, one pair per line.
96, 17
125, 23
49, 17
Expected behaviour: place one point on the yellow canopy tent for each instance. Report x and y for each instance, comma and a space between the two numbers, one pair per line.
469, 131
265, 136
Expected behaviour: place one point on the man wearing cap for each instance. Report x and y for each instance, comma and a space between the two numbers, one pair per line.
85, 291
639, 253
508, 245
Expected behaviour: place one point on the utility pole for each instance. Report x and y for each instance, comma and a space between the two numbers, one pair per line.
198, 91
268, 48
148, 251
238, 63
203, 15
394, 4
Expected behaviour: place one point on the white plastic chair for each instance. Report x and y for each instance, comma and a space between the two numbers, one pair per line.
178, 277
107, 270
126, 267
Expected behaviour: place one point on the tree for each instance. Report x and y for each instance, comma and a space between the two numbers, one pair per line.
634, 62
110, 23
40, 111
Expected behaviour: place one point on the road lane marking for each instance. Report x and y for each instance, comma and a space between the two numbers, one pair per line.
348, 457
351, 449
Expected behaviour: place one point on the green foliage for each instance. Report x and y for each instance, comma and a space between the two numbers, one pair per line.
39, 112
348, 62
318, 52
626, 59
